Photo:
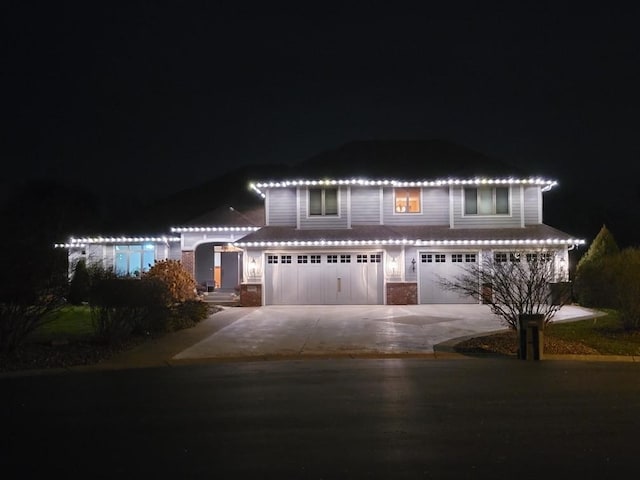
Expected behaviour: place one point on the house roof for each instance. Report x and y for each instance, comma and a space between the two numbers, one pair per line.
230, 216
415, 158
533, 235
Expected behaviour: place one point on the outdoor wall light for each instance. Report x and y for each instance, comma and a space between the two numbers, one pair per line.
253, 269
413, 264
394, 266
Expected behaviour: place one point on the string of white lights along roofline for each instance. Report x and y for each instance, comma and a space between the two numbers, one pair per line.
343, 243
80, 242
548, 184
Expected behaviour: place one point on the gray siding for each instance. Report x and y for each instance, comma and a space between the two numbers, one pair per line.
174, 251
97, 254
324, 222
281, 207
532, 208
365, 205
435, 208
486, 221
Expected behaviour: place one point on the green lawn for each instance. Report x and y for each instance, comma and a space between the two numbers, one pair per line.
604, 334
70, 323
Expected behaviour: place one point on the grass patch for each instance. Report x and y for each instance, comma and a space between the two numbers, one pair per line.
71, 323
604, 334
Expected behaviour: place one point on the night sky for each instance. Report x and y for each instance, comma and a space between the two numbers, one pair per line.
166, 95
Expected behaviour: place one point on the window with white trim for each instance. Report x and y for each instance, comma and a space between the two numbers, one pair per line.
406, 200
486, 201
500, 257
323, 201
134, 259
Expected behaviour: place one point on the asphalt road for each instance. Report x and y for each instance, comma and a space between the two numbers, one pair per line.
326, 419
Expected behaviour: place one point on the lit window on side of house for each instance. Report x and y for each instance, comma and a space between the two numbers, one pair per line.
133, 260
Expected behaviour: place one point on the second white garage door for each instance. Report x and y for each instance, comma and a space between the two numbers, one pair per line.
437, 265
324, 279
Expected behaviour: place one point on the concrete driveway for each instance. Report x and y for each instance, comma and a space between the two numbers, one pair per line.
344, 330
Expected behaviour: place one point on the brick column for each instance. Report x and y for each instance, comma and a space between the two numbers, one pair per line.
188, 262
251, 295
402, 293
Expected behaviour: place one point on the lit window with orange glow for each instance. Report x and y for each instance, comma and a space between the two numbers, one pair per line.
406, 200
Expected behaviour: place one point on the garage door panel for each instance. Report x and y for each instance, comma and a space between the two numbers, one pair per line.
331, 279
435, 266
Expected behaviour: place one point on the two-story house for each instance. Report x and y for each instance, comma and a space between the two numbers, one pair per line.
360, 241
350, 240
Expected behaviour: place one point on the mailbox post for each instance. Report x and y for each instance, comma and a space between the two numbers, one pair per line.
531, 336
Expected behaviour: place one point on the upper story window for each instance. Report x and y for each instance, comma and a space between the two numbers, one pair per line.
406, 200
323, 201
486, 201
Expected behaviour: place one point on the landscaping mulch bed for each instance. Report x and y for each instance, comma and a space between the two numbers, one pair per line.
506, 343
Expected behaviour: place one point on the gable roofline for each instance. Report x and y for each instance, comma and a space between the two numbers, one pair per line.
546, 184
420, 236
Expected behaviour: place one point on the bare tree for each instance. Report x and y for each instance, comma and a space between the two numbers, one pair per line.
513, 283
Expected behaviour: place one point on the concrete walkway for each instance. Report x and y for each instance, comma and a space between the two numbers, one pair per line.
298, 332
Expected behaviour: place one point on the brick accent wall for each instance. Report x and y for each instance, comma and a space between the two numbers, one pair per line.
251, 295
188, 261
402, 293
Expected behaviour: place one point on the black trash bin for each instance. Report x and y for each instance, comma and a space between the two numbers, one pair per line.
531, 336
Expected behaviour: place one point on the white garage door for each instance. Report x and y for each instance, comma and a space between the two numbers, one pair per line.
437, 265
324, 279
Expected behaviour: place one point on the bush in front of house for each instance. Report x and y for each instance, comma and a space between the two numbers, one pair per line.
121, 307
180, 284
188, 314
80, 284
163, 300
